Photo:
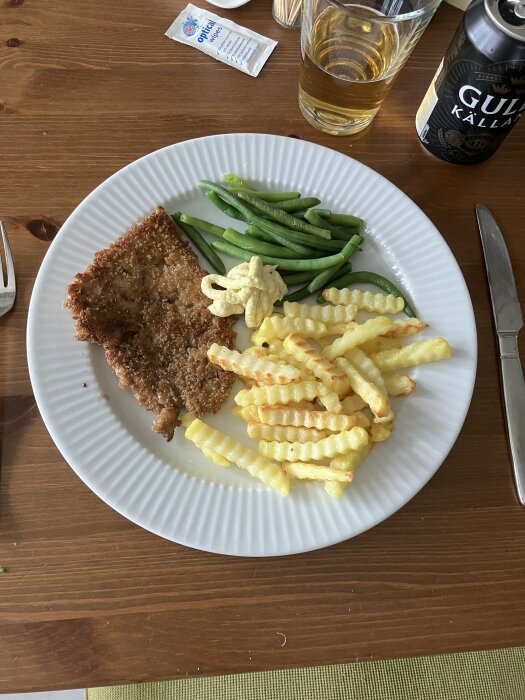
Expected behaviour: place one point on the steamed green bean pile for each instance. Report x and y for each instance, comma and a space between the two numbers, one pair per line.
309, 245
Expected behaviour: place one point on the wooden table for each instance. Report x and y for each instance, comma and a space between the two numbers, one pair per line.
91, 599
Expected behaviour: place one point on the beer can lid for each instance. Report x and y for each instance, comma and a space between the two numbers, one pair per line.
509, 16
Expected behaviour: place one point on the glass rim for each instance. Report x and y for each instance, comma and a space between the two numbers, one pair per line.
430, 7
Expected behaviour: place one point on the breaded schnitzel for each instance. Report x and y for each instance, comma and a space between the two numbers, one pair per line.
141, 299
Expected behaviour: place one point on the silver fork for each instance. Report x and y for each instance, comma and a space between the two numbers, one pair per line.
7, 288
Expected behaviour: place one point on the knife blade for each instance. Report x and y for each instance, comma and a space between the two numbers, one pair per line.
508, 321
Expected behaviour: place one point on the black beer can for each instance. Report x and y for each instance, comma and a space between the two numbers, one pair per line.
478, 92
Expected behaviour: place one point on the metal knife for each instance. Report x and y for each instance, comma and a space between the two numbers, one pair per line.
508, 321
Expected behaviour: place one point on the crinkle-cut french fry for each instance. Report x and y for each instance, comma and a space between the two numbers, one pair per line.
303, 470
275, 346
417, 353
247, 413
326, 314
360, 333
256, 351
187, 419
339, 328
379, 432
321, 420
281, 394
258, 368
285, 433
215, 457
363, 421
331, 402
280, 326
335, 489
300, 349
368, 391
385, 419
304, 372
367, 368
367, 301
380, 343
406, 326
350, 461
399, 384
338, 443
268, 472
353, 403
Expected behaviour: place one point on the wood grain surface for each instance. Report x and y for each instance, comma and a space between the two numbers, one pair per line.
89, 598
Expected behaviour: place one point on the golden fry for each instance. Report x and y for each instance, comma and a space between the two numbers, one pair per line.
335, 489
280, 326
338, 443
367, 301
406, 326
247, 413
353, 403
215, 457
368, 391
380, 431
323, 369
309, 419
431, 350
380, 343
326, 314
399, 384
287, 393
268, 472
331, 402
360, 333
259, 368
367, 368
302, 470
284, 433
350, 461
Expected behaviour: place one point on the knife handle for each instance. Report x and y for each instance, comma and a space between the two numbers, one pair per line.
514, 399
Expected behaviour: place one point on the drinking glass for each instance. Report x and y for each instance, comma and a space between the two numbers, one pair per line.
350, 55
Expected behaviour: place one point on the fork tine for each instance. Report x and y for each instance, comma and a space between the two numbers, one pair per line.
10, 268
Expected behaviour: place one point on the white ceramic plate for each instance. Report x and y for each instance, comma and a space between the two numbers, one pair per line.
169, 488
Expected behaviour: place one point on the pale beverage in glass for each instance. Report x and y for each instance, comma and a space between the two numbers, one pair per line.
350, 55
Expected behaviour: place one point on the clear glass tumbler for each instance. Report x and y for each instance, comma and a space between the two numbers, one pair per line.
350, 55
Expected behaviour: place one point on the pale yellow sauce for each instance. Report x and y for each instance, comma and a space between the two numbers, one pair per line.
250, 288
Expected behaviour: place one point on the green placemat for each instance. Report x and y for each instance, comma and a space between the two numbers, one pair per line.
478, 675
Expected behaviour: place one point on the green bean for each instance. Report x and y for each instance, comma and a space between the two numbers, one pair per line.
298, 277
283, 217
282, 263
363, 277
293, 205
233, 180
199, 242
258, 247
270, 196
269, 226
322, 279
345, 220
313, 217
224, 207
202, 225
300, 238
344, 234
289, 242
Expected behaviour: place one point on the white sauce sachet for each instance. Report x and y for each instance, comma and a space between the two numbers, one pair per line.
222, 39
